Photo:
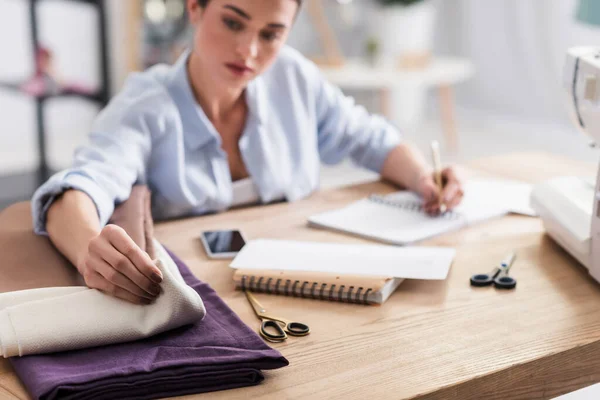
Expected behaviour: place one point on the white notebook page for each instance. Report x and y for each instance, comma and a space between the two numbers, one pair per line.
392, 219
370, 260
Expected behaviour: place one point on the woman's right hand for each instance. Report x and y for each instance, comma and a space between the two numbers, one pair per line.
114, 264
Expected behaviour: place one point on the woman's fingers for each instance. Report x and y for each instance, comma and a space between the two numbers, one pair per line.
429, 191
121, 252
431, 208
121, 265
120, 280
115, 265
140, 259
451, 174
453, 189
101, 251
456, 199
452, 194
97, 281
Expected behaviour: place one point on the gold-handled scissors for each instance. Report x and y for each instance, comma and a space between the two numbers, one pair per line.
281, 326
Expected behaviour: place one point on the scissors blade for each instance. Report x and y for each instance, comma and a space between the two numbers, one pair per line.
508, 262
256, 306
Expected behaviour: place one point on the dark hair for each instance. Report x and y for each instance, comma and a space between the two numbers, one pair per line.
203, 3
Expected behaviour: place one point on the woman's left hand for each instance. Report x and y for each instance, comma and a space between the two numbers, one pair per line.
450, 196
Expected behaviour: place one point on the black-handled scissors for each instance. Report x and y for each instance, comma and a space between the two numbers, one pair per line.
498, 276
280, 326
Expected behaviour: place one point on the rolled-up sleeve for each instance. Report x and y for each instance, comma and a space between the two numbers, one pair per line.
107, 167
347, 129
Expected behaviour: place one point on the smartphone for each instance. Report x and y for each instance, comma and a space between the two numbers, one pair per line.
223, 243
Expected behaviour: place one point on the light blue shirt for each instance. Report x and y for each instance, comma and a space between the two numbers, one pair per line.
154, 132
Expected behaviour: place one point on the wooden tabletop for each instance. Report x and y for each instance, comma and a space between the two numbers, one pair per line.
359, 75
431, 339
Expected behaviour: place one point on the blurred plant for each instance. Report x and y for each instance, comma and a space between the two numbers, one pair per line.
372, 47
165, 31
588, 12
399, 2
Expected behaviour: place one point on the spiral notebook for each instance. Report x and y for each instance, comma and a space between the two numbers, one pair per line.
398, 218
336, 272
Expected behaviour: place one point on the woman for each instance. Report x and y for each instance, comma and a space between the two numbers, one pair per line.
239, 118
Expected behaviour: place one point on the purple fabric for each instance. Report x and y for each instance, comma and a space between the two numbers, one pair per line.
220, 352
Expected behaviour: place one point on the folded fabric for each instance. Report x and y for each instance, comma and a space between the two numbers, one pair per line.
135, 217
30, 323
220, 352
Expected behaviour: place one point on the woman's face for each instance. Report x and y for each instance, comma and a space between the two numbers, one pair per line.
238, 39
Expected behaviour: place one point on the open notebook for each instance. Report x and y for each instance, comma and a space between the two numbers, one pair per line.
398, 218
336, 272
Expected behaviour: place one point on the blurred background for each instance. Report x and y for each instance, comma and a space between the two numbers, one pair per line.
482, 77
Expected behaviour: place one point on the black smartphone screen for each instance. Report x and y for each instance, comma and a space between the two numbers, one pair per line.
224, 241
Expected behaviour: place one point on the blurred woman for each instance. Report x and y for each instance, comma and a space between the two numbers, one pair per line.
239, 119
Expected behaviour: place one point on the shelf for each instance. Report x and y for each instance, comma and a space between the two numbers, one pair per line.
97, 97
94, 2
19, 187
356, 74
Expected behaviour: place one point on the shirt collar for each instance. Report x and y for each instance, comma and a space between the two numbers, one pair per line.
191, 112
256, 99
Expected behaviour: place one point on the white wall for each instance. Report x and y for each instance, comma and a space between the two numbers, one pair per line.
518, 48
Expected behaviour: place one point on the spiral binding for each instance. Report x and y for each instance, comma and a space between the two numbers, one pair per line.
297, 288
409, 205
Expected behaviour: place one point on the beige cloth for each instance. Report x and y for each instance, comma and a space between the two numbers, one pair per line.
48, 320
46, 308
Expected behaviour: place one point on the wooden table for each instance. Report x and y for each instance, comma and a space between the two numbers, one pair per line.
430, 340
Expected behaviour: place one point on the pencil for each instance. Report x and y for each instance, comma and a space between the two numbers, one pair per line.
437, 165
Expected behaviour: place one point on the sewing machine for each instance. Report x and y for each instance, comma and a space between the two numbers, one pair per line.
569, 206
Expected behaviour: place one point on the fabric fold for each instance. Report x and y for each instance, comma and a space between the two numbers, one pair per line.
93, 318
218, 353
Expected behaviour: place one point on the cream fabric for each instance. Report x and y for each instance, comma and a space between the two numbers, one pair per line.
67, 318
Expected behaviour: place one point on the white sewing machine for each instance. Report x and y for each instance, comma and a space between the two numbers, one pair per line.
568, 206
